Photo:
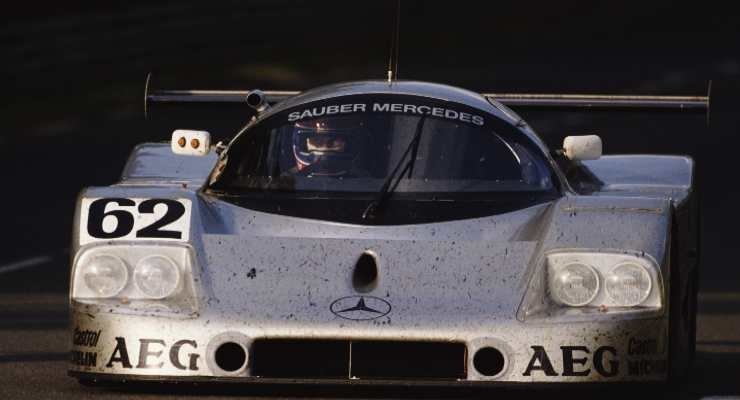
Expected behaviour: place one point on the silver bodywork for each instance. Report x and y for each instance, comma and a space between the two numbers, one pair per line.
259, 275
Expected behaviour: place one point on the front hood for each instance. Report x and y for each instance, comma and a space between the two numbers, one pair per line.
264, 267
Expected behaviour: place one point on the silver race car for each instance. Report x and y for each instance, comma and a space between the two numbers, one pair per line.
387, 232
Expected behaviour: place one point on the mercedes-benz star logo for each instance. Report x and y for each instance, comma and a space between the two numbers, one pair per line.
360, 308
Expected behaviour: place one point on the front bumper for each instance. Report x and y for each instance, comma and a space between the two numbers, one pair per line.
117, 347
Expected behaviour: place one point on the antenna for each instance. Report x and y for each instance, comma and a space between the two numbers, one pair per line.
393, 53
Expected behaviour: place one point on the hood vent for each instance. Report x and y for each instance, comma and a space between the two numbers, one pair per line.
365, 275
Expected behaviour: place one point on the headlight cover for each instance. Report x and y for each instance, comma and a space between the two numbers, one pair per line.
577, 283
157, 276
105, 275
129, 277
628, 284
574, 284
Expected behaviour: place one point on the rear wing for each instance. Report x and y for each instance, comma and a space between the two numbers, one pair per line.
514, 100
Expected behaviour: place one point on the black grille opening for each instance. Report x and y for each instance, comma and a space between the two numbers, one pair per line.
288, 358
408, 360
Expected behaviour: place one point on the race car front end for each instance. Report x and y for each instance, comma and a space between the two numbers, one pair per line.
149, 348
546, 294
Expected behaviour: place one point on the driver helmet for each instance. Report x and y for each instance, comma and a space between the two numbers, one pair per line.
327, 146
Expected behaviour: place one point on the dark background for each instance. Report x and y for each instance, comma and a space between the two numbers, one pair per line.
73, 79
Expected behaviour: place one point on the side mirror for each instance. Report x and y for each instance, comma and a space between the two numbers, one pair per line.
190, 143
580, 148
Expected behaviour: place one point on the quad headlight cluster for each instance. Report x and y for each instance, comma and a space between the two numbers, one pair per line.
571, 283
155, 276
578, 279
137, 275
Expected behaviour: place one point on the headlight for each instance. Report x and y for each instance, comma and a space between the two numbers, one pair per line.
628, 284
157, 276
105, 275
136, 277
574, 284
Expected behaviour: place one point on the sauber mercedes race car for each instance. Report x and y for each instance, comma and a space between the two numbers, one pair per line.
386, 232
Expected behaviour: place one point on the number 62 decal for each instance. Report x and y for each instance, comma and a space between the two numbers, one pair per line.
134, 219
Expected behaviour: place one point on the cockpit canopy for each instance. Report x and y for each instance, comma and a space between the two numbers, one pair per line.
354, 143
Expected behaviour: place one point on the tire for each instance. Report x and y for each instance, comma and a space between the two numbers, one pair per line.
684, 288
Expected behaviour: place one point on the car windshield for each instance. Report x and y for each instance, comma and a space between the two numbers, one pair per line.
353, 144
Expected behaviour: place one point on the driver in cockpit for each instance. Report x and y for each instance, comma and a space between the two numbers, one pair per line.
329, 147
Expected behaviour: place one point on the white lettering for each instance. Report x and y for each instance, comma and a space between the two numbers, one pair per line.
381, 107
451, 114
316, 113
387, 107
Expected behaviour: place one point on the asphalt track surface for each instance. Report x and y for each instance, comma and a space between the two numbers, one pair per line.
74, 78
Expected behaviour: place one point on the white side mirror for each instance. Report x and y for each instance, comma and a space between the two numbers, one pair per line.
580, 148
190, 143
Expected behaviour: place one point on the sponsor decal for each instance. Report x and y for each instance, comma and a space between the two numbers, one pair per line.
641, 347
640, 363
153, 353
85, 338
644, 367
134, 219
604, 360
401, 108
577, 361
84, 358
360, 308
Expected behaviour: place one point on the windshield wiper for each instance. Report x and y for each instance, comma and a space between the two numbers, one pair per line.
389, 186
